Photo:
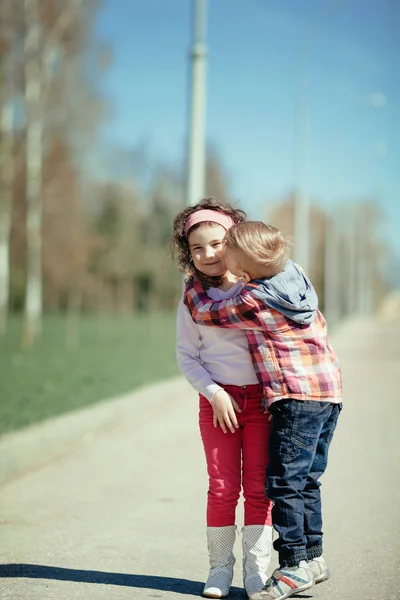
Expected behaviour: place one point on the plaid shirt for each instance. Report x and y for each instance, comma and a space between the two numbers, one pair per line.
290, 360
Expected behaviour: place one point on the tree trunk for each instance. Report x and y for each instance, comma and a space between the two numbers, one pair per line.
6, 181
5, 226
6, 157
73, 316
34, 134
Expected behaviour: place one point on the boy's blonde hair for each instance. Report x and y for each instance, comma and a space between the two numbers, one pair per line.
264, 248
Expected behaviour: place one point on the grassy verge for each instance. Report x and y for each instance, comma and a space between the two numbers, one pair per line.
71, 368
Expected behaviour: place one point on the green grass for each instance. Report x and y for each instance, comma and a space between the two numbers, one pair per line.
111, 355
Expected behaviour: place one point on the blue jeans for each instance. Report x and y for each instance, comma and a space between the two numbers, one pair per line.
298, 454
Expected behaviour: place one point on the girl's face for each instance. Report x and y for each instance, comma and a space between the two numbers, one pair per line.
207, 249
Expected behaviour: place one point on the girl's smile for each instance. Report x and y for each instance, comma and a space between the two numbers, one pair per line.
207, 249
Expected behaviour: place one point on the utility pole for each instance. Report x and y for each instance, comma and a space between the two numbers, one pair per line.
196, 163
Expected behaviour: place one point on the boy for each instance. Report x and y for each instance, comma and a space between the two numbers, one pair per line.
301, 376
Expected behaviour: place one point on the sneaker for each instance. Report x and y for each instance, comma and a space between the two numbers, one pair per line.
285, 582
319, 569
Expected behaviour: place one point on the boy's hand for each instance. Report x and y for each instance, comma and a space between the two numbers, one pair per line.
224, 407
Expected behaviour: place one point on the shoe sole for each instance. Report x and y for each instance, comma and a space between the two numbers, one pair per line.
322, 578
211, 594
293, 592
298, 590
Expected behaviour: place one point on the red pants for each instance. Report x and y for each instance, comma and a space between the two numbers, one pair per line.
237, 459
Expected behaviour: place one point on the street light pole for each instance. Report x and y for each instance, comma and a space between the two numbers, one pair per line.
196, 147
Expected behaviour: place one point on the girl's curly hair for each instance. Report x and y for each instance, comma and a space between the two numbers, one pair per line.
180, 245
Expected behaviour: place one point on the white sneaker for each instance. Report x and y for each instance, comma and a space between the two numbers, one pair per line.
319, 569
285, 582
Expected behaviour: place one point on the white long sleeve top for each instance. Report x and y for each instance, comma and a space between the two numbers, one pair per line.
207, 355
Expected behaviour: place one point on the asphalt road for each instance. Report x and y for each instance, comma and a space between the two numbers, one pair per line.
119, 512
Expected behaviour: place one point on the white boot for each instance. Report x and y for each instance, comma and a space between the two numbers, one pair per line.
257, 548
220, 542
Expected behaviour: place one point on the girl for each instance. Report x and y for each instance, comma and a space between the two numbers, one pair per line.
233, 428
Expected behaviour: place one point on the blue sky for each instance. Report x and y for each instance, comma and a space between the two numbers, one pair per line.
255, 57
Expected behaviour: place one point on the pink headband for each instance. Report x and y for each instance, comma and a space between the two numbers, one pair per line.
200, 216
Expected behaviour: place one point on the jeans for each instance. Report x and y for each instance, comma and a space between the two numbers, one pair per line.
300, 436
237, 460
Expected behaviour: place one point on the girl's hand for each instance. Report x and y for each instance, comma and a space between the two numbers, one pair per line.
224, 407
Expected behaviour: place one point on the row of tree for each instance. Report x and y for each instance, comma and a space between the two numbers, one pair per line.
348, 258
110, 252
67, 241
49, 110
71, 243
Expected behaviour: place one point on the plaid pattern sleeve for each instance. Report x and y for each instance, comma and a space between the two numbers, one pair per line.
290, 360
245, 311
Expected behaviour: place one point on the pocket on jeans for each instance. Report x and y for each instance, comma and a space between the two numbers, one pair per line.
286, 449
304, 441
292, 448
295, 442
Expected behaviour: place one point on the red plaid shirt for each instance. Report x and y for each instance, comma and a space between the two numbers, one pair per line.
290, 360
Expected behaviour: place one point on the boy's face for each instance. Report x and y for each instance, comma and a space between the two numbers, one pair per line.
234, 260
207, 250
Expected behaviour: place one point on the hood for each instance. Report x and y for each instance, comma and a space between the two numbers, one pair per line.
290, 293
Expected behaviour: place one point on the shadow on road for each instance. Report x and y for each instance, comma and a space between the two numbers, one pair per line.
152, 582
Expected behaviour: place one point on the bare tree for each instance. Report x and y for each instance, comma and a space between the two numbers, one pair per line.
74, 112
41, 52
34, 140
6, 151
348, 258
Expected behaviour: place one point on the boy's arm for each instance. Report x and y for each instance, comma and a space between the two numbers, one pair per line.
245, 311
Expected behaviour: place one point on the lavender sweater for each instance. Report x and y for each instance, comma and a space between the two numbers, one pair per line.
209, 354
